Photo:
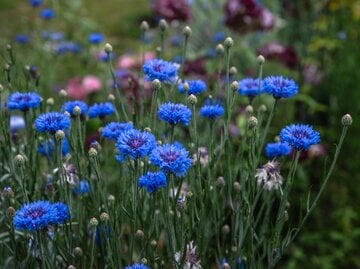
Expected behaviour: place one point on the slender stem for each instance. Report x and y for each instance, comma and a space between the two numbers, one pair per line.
267, 128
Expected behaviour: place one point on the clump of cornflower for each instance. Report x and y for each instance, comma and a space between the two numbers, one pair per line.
299, 136
195, 87
67, 47
40, 214
22, 38
70, 105
211, 109
174, 113
192, 260
47, 148
159, 69
47, 14
51, 122
101, 110
23, 101
152, 181
277, 149
95, 38
113, 129
134, 144
137, 266
250, 87
171, 158
268, 176
280, 87
35, 3
82, 188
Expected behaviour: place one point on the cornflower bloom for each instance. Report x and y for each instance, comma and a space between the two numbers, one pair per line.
113, 129
46, 148
174, 113
137, 266
134, 144
23, 101
51, 122
280, 87
152, 181
299, 136
277, 149
83, 187
47, 14
70, 105
250, 87
211, 110
41, 214
159, 69
171, 158
195, 87
95, 38
101, 110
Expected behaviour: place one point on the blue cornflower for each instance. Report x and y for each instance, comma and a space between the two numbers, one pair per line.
211, 109
51, 122
175, 40
101, 110
219, 37
299, 136
134, 144
113, 129
70, 105
35, 3
22, 38
103, 56
137, 266
40, 214
195, 87
47, 148
47, 14
250, 87
95, 38
174, 113
23, 101
82, 188
66, 46
159, 69
171, 158
277, 149
152, 181
54, 36
16, 123
280, 87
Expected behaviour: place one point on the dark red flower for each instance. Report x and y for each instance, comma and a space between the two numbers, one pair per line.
172, 9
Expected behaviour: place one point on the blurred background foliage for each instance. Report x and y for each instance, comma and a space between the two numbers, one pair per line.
315, 42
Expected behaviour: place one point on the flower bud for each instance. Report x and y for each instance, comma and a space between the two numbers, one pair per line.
187, 31
144, 26
234, 86
192, 99
153, 243
237, 186
1, 88
50, 101
225, 266
234, 249
186, 86
228, 43
262, 108
249, 109
156, 84
346, 120
220, 50
260, 59
111, 97
71, 267
220, 182
67, 114
147, 129
233, 71
104, 217
62, 93
111, 200
8, 192
108, 48
92, 153
78, 252
94, 222
10, 212
139, 234
19, 160
59, 135
77, 111
225, 229
144, 261
253, 122
163, 25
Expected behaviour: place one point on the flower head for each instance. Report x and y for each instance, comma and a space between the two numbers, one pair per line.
137, 266
195, 87
268, 176
277, 149
35, 3
95, 38
23, 101
299, 136
47, 148
250, 87
113, 129
101, 110
174, 113
22, 38
280, 87
134, 144
51, 122
47, 14
67, 46
211, 109
70, 105
16, 123
159, 69
152, 181
192, 260
41, 214
82, 188
171, 158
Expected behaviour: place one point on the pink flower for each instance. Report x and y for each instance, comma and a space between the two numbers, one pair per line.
78, 88
132, 61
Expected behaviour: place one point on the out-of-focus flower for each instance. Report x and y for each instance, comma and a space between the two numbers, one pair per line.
95, 38
280, 87
47, 14
16, 123
172, 9
300, 136
132, 61
137, 266
159, 69
277, 149
312, 75
152, 181
101, 110
67, 47
250, 87
70, 105
192, 260
47, 148
51, 122
113, 129
211, 109
286, 55
174, 113
202, 155
35, 3
195, 87
78, 88
53, 36
22, 38
82, 188
268, 176
23, 101
195, 67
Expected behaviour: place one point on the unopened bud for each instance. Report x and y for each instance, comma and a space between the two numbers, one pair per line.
229, 42
144, 261
10, 212
234, 86
104, 217
225, 229
260, 59
186, 86
78, 252
262, 108
50, 101
108, 48
253, 122
163, 25
220, 182
71, 267
236, 186
94, 222
225, 266
8, 192
92, 153
111, 200
59, 135
1, 88
234, 249
187, 31
249, 109
139, 234
156, 84
19, 160
77, 111
346, 120
63, 93
233, 71
144, 26
286, 215
153, 243
111, 97
67, 114
147, 129
192, 99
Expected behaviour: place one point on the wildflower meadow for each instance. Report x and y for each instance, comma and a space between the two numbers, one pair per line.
188, 149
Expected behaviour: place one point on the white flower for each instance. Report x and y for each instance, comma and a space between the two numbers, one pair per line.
191, 258
269, 176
